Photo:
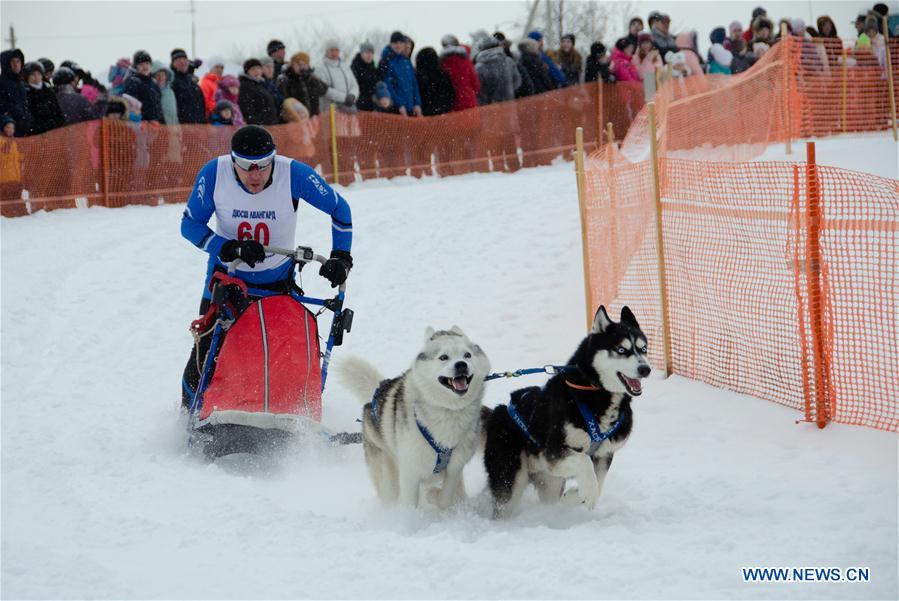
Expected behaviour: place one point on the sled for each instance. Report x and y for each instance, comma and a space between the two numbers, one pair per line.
263, 376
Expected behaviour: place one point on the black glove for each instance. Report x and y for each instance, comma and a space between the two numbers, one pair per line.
337, 267
350, 99
248, 251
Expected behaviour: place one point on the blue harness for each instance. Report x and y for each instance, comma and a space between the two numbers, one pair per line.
597, 436
443, 454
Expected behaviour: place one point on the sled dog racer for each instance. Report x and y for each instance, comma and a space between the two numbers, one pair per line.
255, 194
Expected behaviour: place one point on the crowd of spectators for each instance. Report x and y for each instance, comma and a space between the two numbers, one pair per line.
37, 96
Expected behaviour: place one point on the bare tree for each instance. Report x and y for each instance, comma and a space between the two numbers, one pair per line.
589, 20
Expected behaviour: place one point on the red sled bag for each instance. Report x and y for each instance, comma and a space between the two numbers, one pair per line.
268, 371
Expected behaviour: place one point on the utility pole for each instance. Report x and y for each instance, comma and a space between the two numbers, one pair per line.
12, 37
193, 28
527, 26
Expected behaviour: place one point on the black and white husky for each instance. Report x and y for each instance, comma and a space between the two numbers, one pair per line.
423, 426
572, 427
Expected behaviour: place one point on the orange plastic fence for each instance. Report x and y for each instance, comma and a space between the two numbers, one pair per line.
781, 278
114, 163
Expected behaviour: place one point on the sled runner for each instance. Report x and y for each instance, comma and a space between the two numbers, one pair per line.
263, 374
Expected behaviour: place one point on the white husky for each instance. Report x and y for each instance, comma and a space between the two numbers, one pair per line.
423, 426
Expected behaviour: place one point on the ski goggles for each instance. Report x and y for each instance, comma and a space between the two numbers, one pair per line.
251, 163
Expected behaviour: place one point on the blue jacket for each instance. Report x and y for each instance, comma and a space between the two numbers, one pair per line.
554, 71
399, 75
305, 185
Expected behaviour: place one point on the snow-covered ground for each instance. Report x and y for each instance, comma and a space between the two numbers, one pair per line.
100, 500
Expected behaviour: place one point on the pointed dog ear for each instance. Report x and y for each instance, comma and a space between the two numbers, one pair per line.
457, 330
628, 317
601, 321
429, 333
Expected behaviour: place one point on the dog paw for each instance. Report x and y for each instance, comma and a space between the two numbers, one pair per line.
573, 496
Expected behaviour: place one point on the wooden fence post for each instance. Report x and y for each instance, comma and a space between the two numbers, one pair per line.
844, 92
104, 159
892, 89
334, 143
813, 218
582, 203
660, 239
788, 75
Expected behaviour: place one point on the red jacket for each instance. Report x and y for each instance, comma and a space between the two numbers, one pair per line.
622, 67
454, 61
209, 84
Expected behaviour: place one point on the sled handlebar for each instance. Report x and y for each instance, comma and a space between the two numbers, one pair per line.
301, 254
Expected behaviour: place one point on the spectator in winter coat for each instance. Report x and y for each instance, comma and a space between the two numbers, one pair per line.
10, 160
749, 34
49, 68
598, 64
434, 84
735, 32
222, 113
42, 102
742, 58
13, 97
366, 75
277, 52
383, 101
209, 82
646, 59
634, 29
75, 107
761, 33
229, 89
395, 69
256, 102
536, 69
268, 75
343, 89
497, 73
554, 71
139, 84
719, 57
526, 87
622, 61
191, 103
658, 27
687, 46
163, 77
298, 81
116, 77
466, 85
569, 60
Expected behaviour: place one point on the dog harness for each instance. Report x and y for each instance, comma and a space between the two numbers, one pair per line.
597, 436
522, 425
443, 454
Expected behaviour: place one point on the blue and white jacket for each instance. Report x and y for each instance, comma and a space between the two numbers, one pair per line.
269, 216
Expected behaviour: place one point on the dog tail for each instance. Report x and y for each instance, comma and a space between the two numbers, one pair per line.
359, 376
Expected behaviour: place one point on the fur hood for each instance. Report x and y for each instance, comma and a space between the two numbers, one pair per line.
528, 46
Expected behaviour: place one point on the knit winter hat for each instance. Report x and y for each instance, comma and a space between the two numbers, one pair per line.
535, 35
274, 46
47, 64
267, 60
449, 40
366, 47
300, 56
759, 12
178, 53
141, 56
215, 61
643, 37
31, 67
222, 105
331, 43
622, 43
397, 36
250, 63
734, 25
228, 81
569, 36
718, 35
63, 76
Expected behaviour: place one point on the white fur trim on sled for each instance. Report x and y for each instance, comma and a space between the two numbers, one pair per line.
267, 421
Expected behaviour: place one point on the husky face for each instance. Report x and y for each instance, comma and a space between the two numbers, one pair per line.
617, 353
450, 368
